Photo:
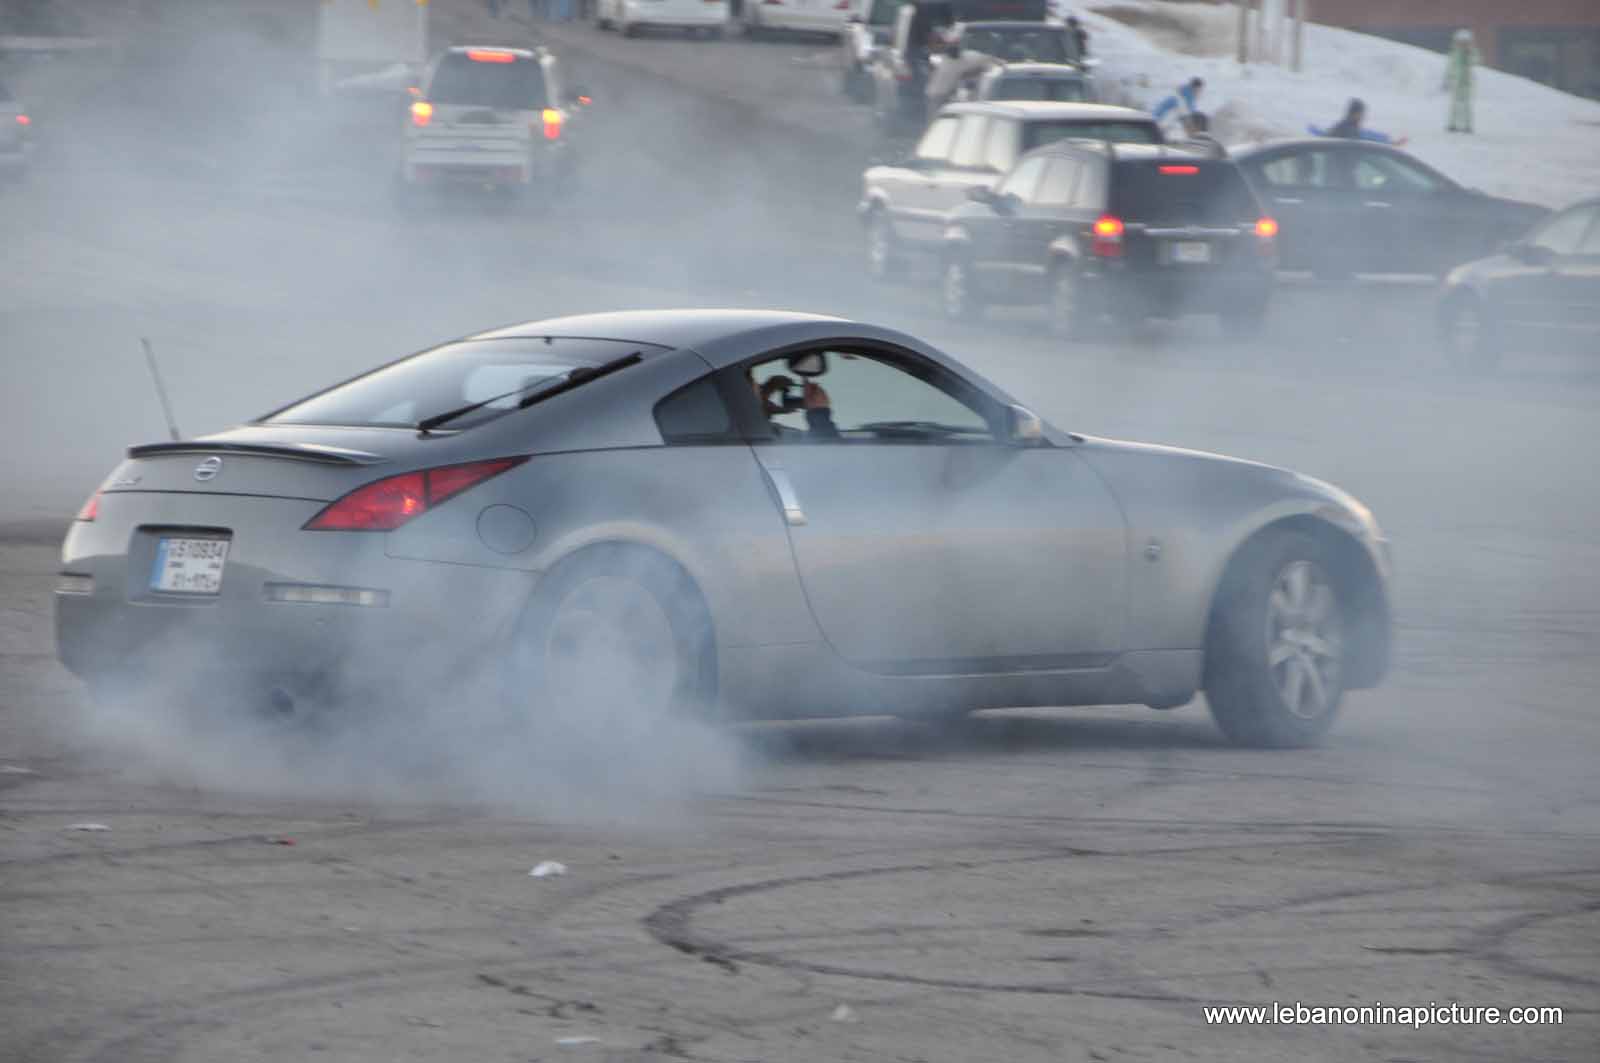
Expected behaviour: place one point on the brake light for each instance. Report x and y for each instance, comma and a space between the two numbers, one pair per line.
1178, 169
1266, 228
842, 5
23, 119
386, 504
1107, 242
421, 113
480, 55
552, 123
91, 508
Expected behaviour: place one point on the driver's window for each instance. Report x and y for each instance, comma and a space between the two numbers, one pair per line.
844, 397
1380, 173
1561, 233
935, 143
1024, 178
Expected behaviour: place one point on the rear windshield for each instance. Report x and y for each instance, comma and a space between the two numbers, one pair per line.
1127, 131
505, 86
446, 378
1200, 191
1062, 90
1021, 44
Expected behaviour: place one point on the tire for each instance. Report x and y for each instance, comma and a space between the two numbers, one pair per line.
1068, 319
1276, 651
958, 295
1467, 337
617, 630
883, 252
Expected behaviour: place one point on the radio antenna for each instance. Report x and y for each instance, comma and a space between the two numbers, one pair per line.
161, 389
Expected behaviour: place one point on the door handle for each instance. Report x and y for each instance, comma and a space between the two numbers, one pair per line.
1376, 203
788, 501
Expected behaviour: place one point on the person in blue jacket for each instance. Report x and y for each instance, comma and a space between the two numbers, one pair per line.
1350, 128
1184, 101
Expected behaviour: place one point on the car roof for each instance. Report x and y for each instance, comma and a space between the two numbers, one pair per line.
1327, 143
1061, 70
1046, 109
666, 328
1126, 152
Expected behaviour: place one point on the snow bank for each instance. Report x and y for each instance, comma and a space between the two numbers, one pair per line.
1532, 142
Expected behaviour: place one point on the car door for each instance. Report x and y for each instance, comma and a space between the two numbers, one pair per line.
1037, 223
908, 189
967, 168
1542, 282
1408, 220
991, 226
927, 544
1303, 189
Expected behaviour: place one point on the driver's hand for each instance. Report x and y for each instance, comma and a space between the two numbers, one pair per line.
814, 397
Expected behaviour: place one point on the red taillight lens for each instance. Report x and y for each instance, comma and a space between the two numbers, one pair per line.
1266, 228
552, 123
91, 508
421, 113
384, 505
483, 55
1178, 169
1107, 241
23, 119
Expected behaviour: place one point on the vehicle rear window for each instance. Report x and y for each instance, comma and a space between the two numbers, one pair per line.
1061, 90
514, 86
1182, 190
1021, 44
413, 389
1126, 131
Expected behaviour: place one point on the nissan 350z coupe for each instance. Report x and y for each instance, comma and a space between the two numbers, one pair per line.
745, 514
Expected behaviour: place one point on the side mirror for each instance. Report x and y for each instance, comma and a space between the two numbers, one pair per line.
1023, 427
1530, 254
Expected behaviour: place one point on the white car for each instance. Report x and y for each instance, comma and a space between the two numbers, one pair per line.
14, 126
707, 16
808, 16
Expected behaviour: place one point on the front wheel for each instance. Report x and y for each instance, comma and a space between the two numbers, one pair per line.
1275, 655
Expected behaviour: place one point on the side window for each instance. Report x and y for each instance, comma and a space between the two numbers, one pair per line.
1091, 191
1303, 169
1381, 173
1004, 138
1561, 233
1059, 180
1025, 178
935, 143
695, 413
850, 399
968, 150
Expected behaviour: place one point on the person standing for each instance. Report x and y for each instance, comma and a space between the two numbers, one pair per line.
1458, 79
1350, 127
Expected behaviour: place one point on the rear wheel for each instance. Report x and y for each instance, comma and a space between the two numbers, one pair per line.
1467, 337
1275, 657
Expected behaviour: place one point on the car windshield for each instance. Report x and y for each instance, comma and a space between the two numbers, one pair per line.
1062, 90
1021, 44
1182, 190
1127, 131
514, 85
403, 393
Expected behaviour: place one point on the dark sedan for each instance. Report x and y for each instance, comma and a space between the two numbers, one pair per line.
1350, 206
1545, 286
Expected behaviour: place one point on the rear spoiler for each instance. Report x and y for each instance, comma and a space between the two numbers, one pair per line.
318, 452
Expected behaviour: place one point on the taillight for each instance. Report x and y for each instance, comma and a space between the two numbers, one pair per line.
23, 119
483, 55
552, 123
1178, 169
91, 508
1107, 242
1266, 228
421, 113
384, 505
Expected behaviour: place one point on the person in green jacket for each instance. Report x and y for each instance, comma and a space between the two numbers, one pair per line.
1458, 79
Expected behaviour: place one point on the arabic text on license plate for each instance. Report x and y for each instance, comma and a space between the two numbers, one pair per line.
1191, 251
189, 566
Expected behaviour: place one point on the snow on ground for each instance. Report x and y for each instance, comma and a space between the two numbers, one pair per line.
1532, 142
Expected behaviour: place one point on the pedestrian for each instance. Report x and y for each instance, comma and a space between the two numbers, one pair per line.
1458, 80
1350, 127
1184, 101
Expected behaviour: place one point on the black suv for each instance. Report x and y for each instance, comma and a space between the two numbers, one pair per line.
904, 205
1099, 229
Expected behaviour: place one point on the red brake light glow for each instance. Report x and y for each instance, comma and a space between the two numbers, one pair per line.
91, 508
552, 123
481, 55
386, 504
421, 113
1266, 228
1178, 169
23, 119
1107, 242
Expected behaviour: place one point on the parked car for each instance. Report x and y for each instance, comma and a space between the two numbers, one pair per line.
15, 136
494, 118
904, 204
1545, 285
656, 516
1056, 82
630, 16
1352, 206
759, 17
1102, 232
864, 35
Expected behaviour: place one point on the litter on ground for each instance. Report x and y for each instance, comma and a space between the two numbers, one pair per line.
547, 868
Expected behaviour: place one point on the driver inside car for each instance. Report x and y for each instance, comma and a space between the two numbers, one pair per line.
777, 395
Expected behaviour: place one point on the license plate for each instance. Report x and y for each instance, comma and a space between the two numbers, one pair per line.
189, 566
1191, 251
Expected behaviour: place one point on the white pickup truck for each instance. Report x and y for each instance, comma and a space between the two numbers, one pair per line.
491, 117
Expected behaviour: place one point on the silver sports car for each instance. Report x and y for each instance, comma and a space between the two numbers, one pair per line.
738, 513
